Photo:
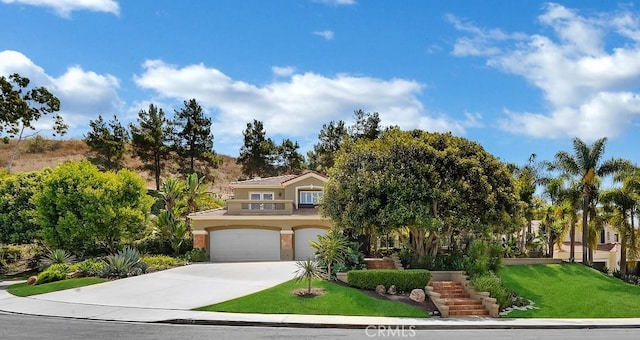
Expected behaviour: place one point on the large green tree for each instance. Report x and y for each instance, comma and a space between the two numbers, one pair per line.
108, 142
150, 140
194, 140
257, 154
289, 160
83, 210
330, 137
586, 164
435, 185
21, 107
17, 211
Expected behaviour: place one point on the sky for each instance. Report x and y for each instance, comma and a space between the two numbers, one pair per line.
518, 77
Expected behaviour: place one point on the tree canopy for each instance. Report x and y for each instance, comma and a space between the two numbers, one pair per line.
107, 142
21, 108
82, 209
434, 184
151, 139
194, 140
257, 152
17, 211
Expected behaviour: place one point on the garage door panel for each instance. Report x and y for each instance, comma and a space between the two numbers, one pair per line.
245, 244
303, 248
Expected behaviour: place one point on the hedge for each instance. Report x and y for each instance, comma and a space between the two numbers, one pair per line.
404, 280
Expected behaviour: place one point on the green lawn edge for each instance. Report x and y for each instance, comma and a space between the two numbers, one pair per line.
337, 300
24, 290
570, 291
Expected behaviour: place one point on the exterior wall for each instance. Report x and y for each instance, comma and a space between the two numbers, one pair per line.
240, 207
610, 234
243, 193
305, 184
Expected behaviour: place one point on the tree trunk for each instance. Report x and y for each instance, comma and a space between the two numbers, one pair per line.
156, 166
585, 233
15, 150
572, 237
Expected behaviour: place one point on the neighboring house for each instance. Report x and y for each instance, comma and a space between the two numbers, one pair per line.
606, 254
267, 219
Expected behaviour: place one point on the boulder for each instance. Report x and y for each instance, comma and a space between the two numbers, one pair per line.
32, 280
417, 295
380, 289
392, 290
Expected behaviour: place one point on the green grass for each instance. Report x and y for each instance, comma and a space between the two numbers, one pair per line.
23, 289
337, 300
571, 291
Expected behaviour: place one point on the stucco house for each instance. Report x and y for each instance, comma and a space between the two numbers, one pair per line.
266, 219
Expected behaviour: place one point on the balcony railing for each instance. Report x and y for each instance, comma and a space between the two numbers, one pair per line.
259, 207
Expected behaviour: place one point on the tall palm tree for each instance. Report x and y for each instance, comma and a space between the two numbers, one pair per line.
622, 201
566, 198
586, 164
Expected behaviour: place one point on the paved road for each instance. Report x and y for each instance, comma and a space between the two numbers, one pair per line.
21, 327
181, 288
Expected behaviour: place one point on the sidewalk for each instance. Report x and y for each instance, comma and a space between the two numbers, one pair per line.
32, 306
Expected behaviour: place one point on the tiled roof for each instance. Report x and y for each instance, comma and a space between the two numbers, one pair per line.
267, 181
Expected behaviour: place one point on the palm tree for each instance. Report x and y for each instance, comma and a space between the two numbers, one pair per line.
586, 164
307, 269
622, 202
566, 199
331, 247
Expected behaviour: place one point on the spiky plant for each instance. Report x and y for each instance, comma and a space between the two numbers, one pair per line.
57, 256
307, 269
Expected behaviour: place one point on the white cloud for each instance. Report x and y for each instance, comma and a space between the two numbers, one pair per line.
83, 94
64, 7
328, 35
297, 106
336, 2
590, 89
283, 71
481, 42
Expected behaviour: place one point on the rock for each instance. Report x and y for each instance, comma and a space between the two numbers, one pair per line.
32, 280
392, 290
380, 289
417, 295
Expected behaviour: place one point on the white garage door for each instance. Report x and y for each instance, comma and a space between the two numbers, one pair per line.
303, 250
244, 245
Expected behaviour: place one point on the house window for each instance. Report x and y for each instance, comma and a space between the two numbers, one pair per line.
615, 237
261, 196
310, 198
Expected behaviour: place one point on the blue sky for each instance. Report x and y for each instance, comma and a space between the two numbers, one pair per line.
519, 77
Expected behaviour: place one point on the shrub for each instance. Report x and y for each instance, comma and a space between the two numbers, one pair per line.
495, 257
404, 280
54, 272
197, 255
90, 267
453, 261
491, 283
161, 262
477, 261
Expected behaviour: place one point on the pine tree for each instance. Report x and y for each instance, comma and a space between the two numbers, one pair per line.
194, 139
290, 161
150, 140
256, 155
108, 143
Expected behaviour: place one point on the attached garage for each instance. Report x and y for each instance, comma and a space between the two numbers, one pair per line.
302, 237
244, 244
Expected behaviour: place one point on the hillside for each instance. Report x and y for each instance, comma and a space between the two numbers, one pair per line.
39, 153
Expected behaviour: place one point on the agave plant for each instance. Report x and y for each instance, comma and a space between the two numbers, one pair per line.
124, 263
57, 256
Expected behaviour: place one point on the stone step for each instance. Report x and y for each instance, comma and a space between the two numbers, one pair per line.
466, 307
462, 301
454, 296
468, 312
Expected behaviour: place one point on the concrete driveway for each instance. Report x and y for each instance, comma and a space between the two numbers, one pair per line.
181, 288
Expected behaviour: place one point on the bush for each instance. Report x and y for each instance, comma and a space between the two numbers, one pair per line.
90, 267
10, 254
453, 261
161, 246
495, 257
477, 261
55, 272
197, 255
404, 280
57, 256
161, 262
491, 283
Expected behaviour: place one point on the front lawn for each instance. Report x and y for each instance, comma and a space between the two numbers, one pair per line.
23, 289
571, 291
337, 300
